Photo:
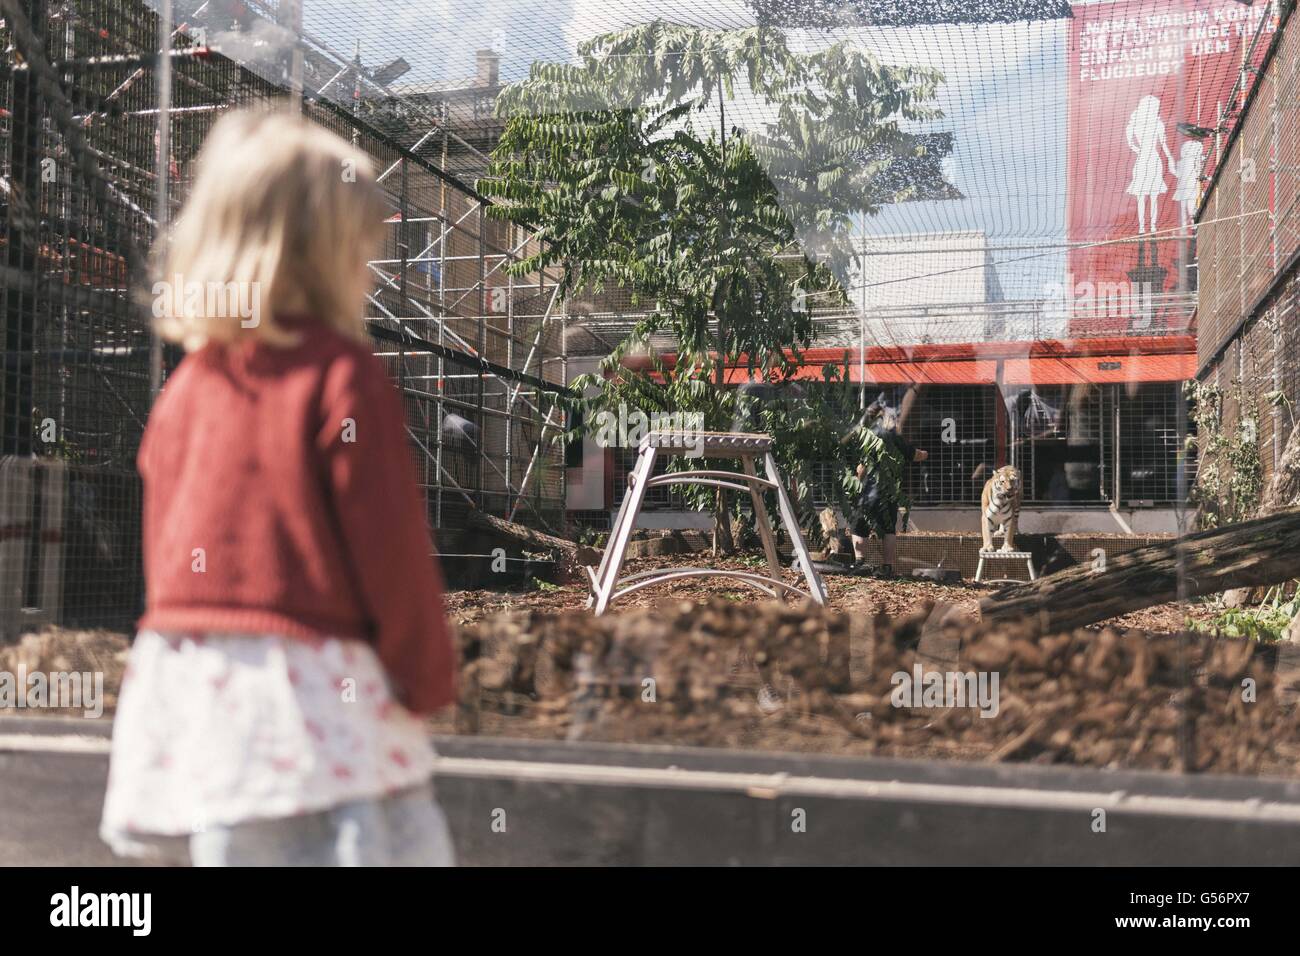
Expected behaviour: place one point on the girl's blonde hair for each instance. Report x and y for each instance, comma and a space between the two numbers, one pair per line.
281, 218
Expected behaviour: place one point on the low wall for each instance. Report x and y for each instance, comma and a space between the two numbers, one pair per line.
1055, 520
515, 802
1051, 552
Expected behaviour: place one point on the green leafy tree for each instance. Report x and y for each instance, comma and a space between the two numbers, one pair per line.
724, 236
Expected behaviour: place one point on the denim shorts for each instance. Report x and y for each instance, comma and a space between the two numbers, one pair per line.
874, 513
407, 828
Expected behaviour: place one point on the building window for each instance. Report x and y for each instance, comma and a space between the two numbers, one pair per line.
662, 498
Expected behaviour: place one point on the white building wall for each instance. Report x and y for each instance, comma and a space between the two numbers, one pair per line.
930, 287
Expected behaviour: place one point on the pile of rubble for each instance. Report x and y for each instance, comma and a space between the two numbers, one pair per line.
803, 678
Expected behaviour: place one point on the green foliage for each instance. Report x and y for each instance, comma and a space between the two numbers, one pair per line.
1221, 501
1267, 622
626, 164
811, 424
589, 537
883, 462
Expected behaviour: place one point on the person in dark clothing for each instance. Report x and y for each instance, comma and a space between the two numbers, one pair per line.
877, 504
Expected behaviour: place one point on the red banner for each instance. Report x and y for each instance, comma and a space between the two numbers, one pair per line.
1148, 82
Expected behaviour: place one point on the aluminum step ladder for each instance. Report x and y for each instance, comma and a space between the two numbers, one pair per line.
607, 586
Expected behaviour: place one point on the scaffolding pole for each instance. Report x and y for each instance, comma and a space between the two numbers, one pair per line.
162, 199
289, 16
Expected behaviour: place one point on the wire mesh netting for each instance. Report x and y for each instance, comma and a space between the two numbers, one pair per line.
1027, 177
1011, 289
1027, 271
476, 352
1247, 241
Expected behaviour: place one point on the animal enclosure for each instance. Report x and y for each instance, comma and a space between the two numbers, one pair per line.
477, 354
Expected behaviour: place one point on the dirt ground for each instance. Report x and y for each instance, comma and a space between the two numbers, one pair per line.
799, 678
893, 598
728, 668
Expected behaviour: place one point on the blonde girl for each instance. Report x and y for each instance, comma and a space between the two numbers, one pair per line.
293, 631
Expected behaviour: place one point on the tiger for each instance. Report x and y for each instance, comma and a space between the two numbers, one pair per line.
1000, 507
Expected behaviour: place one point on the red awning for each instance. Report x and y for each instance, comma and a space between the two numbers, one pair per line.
1047, 362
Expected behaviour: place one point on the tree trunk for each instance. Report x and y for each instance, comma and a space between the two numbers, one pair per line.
570, 557
1283, 491
723, 543
1284, 487
519, 534
1252, 553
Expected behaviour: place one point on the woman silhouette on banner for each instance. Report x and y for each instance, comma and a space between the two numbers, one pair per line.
1145, 135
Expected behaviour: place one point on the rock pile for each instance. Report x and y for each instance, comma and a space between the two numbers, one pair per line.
781, 677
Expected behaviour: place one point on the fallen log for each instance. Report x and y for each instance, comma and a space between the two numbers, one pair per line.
1253, 553
522, 535
570, 557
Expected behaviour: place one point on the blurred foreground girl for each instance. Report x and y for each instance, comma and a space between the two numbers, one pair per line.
294, 628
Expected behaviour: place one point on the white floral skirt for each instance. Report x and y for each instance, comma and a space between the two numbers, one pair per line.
218, 730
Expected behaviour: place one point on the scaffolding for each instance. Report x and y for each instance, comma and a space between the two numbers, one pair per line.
102, 123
